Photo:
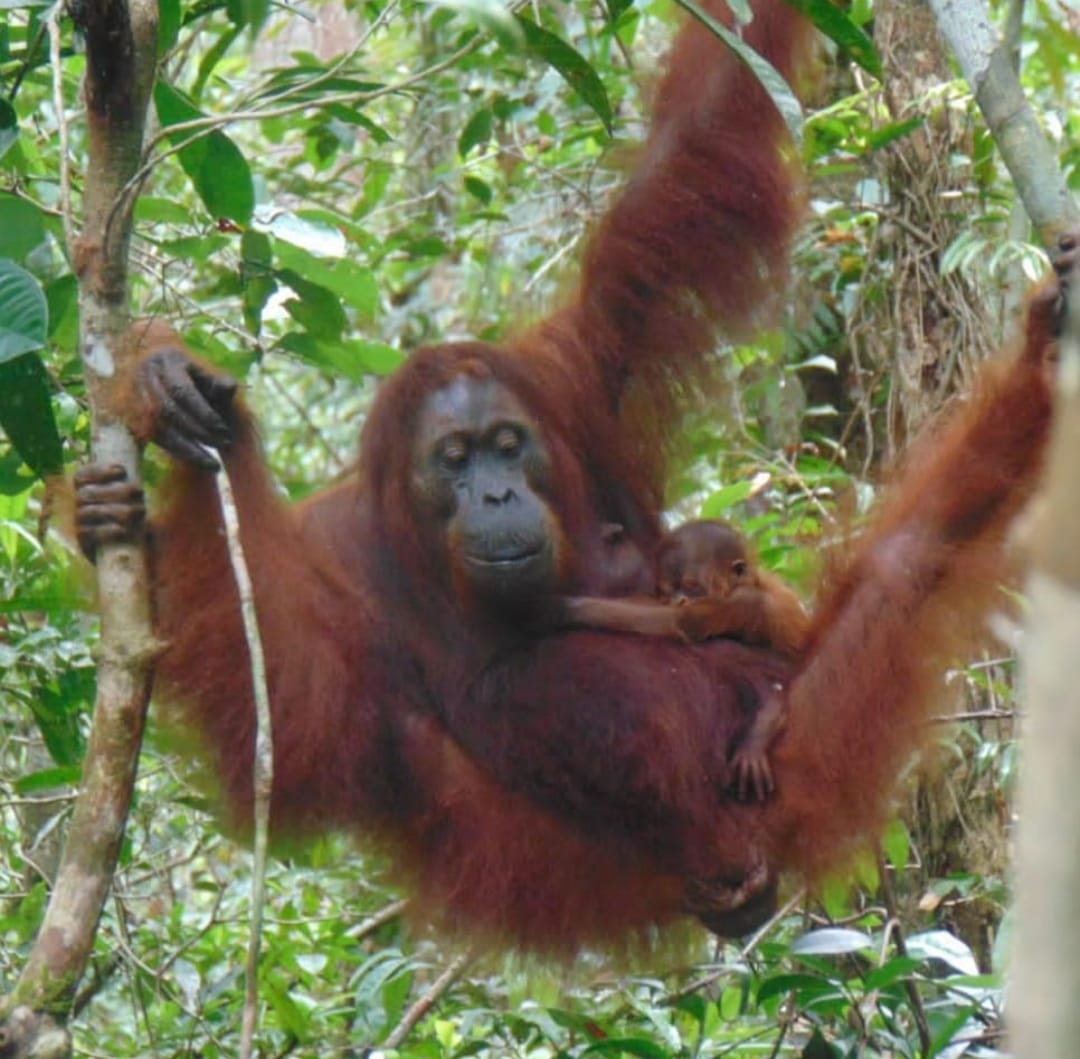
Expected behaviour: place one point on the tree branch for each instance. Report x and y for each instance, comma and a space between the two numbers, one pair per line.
1044, 1018
121, 43
987, 66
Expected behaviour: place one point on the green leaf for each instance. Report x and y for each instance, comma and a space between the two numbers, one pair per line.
58, 707
827, 17
354, 284
26, 414
350, 359
22, 227
308, 81
896, 844
898, 967
213, 55
62, 297
941, 945
169, 19
639, 1046
805, 986
832, 941
152, 209
256, 276
724, 499
13, 481
48, 779
616, 8
215, 165
24, 313
248, 12
9, 126
771, 79
490, 15
571, 65
479, 190
477, 131
377, 357
896, 131
315, 307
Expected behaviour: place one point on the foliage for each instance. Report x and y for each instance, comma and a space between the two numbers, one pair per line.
323, 196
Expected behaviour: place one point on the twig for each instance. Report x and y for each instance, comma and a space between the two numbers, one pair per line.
714, 976
263, 771
976, 715
202, 127
53, 22
373, 922
427, 1001
888, 891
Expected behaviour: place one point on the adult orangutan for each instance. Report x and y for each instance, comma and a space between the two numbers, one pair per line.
554, 788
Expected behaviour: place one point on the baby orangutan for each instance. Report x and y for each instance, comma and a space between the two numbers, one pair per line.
708, 586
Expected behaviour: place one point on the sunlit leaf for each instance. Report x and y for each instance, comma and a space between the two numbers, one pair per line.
941, 945
490, 15
725, 498
353, 283
897, 844
832, 941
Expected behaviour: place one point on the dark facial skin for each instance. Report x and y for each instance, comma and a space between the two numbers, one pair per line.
480, 469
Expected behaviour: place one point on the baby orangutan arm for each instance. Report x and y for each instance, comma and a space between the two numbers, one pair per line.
762, 611
640, 615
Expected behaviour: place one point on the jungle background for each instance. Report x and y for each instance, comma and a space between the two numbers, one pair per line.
387, 174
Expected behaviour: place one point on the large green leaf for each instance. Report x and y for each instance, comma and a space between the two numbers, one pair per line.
354, 284
22, 227
216, 166
353, 359
26, 414
318, 309
477, 131
840, 29
169, 20
24, 313
570, 64
771, 79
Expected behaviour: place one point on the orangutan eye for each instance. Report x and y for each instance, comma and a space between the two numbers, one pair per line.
508, 441
454, 452
738, 567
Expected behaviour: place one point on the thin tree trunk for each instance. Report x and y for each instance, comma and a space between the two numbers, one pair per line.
121, 45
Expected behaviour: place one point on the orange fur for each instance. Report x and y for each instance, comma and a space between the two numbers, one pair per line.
561, 789
903, 601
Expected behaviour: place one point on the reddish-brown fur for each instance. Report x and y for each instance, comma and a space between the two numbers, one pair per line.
912, 594
556, 790
708, 586
701, 594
